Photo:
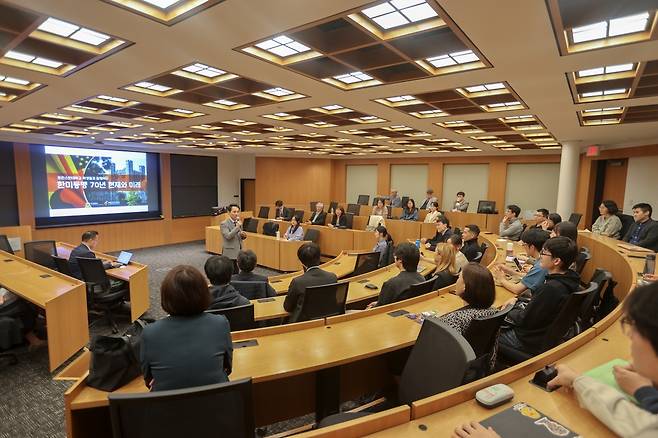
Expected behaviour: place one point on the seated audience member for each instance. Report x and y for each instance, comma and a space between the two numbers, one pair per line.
294, 231
429, 198
644, 232
406, 257
531, 317
460, 204
383, 238
219, 270
280, 212
339, 220
13, 306
433, 214
639, 380
475, 286
189, 347
247, 261
446, 270
549, 224
541, 214
319, 216
443, 233
533, 241
309, 256
608, 224
86, 250
460, 259
380, 209
410, 212
471, 247
394, 200
511, 226
566, 229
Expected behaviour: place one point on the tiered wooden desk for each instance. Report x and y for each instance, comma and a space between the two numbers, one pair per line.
63, 298
135, 274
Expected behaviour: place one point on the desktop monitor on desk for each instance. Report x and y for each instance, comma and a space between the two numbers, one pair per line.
487, 207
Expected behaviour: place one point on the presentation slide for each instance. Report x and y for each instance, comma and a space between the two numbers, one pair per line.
92, 181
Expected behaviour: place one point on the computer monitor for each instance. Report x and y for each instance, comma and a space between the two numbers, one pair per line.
363, 199
353, 208
124, 257
487, 207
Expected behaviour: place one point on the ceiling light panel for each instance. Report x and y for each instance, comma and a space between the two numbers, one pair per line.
166, 12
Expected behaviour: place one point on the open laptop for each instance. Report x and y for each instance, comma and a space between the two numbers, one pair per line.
124, 258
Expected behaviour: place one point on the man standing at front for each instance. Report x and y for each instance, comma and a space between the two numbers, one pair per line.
233, 235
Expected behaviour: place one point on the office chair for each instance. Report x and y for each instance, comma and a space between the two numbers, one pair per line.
587, 316
63, 266
299, 214
626, 221
239, 317
574, 218
353, 208
100, 293
427, 372
365, 262
363, 199
41, 252
264, 212
288, 213
11, 333
270, 228
388, 256
349, 220
251, 290
250, 225
403, 201
418, 289
5, 245
312, 235
482, 335
333, 205
557, 331
581, 260
324, 301
223, 409
480, 255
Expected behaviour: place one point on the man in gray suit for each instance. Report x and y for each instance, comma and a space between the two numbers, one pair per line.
233, 235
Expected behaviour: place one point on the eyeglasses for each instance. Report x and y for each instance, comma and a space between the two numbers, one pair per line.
547, 254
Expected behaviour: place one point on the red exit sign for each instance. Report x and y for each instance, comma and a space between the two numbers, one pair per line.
593, 151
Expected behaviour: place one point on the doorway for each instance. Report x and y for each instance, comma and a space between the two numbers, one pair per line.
248, 194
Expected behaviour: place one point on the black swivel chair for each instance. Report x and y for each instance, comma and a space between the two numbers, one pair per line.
557, 331
299, 214
324, 301
365, 263
363, 199
403, 201
11, 333
251, 290
288, 213
63, 266
349, 220
5, 245
388, 255
626, 221
581, 260
312, 235
482, 335
418, 289
239, 317
480, 255
574, 218
353, 208
333, 205
100, 293
270, 228
264, 212
41, 252
588, 311
427, 372
250, 225
224, 409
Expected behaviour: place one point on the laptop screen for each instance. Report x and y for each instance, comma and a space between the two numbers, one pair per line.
124, 257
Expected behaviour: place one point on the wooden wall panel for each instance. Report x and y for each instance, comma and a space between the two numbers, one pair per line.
294, 180
189, 229
614, 185
24, 184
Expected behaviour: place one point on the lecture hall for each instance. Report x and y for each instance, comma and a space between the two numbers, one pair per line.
328, 218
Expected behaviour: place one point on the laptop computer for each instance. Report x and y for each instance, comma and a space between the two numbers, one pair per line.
124, 258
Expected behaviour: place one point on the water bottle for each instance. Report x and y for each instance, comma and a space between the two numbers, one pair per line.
650, 264
418, 243
278, 235
510, 249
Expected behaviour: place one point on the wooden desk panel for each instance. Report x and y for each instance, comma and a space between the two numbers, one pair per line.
364, 240
403, 230
460, 220
333, 241
288, 260
266, 247
63, 298
24, 232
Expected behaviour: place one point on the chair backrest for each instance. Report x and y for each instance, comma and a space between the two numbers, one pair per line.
239, 317
486, 207
365, 263
224, 409
626, 221
581, 261
333, 205
63, 266
427, 372
418, 289
587, 312
388, 256
363, 199
482, 333
41, 252
312, 204
251, 290
264, 212
574, 218
349, 220
377, 198
5, 245
312, 235
93, 272
251, 224
299, 214
270, 228
353, 208
403, 201
288, 212
566, 318
325, 300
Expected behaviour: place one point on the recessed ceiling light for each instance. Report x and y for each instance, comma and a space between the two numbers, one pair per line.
485, 87
278, 91
19, 56
283, 46
72, 31
606, 70
204, 70
152, 86
354, 77
225, 102
162, 4
332, 107
455, 58
614, 27
397, 13
11, 80
406, 97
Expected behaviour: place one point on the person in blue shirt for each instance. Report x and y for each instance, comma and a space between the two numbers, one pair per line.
295, 231
533, 241
410, 212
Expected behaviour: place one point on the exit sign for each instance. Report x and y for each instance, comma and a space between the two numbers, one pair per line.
593, 151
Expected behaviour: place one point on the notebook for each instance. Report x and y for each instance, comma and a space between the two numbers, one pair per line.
603, 373
523, 421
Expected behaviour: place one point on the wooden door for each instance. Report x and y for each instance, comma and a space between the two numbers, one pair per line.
248, 195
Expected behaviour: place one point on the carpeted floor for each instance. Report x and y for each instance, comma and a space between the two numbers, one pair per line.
31, 403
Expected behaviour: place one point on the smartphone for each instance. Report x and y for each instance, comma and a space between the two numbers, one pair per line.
518, 264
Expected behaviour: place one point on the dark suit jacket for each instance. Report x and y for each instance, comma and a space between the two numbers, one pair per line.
250, 276
83, 251
225, 296
471, 249
439, 238
320, 220
393, 287
284, 213
342, 223
185, 351
648, 234
295, 298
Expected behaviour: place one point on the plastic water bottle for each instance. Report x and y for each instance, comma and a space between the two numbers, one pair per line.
510, 249
278, 235
418, 243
